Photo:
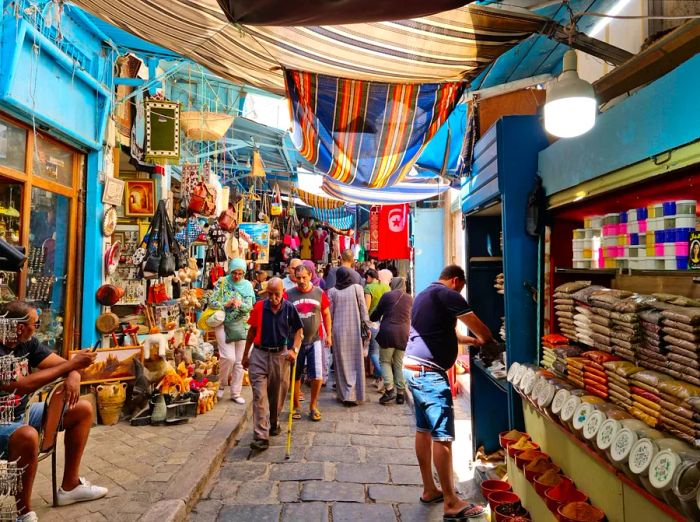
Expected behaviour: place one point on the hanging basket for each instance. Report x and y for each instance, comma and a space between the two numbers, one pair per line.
207, 126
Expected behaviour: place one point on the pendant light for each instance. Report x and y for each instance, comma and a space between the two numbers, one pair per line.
571, 105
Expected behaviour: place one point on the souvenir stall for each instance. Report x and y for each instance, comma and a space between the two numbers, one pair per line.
611, 404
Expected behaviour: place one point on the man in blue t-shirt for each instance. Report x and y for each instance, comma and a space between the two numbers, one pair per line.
432, 350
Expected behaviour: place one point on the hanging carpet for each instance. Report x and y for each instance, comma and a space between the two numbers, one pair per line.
452, 45
365, 134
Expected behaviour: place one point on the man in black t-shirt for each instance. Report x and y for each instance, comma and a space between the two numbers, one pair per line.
431, 351
20, 441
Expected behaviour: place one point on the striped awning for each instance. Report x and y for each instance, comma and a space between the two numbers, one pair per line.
337, 217
408, 192
316, 201
365, 134
452, 45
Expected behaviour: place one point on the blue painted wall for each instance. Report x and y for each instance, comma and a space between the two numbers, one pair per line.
661, 116
64, 85
428, 244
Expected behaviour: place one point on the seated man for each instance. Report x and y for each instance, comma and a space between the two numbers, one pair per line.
20, 441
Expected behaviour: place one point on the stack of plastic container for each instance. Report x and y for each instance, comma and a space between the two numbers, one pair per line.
646, 238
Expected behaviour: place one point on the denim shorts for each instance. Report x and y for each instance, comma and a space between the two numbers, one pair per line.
432, 399
36, 412
310, 357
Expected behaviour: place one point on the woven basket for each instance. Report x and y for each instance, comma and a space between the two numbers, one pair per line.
110, 400
207, 126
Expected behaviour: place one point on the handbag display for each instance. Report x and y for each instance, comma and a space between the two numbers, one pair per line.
157, 293
227, 219
202, 200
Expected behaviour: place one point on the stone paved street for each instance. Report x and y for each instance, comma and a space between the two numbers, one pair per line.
357, 464
152, 472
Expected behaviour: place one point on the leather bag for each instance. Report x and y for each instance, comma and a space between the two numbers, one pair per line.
202, 200
227, 219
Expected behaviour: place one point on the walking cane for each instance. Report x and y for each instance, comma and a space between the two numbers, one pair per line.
288, 450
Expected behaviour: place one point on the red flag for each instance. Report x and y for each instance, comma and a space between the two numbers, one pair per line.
393, 232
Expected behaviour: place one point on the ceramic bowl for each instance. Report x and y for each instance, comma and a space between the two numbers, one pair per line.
524, 458
593, 513
498, 498
504, 442
491, 486
512, 452
532, 475
541, 488
554, 500
506, 512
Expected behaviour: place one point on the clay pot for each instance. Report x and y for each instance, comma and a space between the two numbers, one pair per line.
527, 456
498, 498
504, 441
110, 400
564, 493
580, 512
506, 512
491, 486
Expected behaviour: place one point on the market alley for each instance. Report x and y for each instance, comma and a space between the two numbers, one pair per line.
357, 464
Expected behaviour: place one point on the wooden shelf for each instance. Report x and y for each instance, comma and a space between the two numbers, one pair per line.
587, 271
486, 259
695, 274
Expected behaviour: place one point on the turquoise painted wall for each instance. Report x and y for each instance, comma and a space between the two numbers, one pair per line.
428, 245
659, 117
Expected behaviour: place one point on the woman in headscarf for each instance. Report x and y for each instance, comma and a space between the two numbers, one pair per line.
385, 276
315, 280
349, 313
235, 295
394, 312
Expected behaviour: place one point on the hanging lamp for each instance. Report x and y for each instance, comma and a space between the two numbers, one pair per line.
571, 106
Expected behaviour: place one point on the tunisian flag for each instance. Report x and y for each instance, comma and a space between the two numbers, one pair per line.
389, 232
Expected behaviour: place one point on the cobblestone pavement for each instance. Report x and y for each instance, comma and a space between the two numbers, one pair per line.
152, 472
357, 464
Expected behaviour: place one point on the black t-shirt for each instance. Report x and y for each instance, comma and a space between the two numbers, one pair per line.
35, 352
433, 320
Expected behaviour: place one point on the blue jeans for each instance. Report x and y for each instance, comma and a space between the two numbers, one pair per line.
432, 399
36, 412
374, 353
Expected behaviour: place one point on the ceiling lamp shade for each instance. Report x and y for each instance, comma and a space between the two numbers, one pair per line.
571, 106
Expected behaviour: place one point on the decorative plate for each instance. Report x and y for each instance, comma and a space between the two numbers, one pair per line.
593, 423
641, 455
607, 433
512, 371
581, 415
662, 468
560, 398
112, 257
109, 221
622, 444
567, 412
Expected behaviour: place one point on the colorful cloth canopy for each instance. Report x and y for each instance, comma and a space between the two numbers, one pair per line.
337, 217
452, 45
399, 193
365, 134
320, 202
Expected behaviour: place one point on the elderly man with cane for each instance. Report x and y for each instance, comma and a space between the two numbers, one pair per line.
276, 331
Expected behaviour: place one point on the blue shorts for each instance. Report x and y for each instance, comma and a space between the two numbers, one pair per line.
432, 399
310, 357
36, 412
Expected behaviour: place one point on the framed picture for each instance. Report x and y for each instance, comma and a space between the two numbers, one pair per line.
694, 251
111, 364
114, 191
140, 198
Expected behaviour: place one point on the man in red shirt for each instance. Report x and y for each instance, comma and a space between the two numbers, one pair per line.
314, 309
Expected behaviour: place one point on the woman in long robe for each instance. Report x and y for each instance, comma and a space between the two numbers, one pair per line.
349, 311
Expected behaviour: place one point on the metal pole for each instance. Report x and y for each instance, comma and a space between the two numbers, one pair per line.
288, 449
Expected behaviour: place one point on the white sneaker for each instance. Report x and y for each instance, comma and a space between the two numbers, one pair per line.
238, 400
220, 394
81, 493
28, 517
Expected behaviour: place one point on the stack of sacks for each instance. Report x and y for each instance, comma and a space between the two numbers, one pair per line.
619, 373
646, 396
651, 346
554, 358
595, 379
681, 333
680, 410
550, 361
564, 307
583, 317
625, 328
574, 371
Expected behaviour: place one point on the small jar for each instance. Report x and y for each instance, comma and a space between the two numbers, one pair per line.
512, 371
529, 383
546, 395
661, 473
518, 376
539, 383
621, 446
686, 485
568, 411
580, 417
641, 455
560, 398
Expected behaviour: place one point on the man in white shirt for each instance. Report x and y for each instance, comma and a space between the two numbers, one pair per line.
290, 281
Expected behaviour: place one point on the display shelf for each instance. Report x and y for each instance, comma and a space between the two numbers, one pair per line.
588, 271
501, 384
608, 488
486, 259
628, 272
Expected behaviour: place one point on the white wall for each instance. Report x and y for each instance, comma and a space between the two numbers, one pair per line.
626, 34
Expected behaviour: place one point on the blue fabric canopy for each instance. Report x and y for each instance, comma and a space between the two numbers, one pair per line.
339, 218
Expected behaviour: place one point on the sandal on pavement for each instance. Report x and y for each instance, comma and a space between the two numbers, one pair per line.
471, 511
296, 414
435, 500
315, 415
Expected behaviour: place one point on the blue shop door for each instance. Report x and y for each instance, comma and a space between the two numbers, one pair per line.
429, 246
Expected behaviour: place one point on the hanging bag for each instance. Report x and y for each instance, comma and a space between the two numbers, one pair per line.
167, 258
227, 219
154, 249
202, 199
276, 207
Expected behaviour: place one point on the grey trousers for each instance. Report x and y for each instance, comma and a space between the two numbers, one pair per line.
392, 368
269, 376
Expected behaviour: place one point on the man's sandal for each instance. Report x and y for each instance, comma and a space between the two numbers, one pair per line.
315, 415
296, 414
471, 511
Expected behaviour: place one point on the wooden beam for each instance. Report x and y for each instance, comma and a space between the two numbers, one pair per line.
587, 44
658, 59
